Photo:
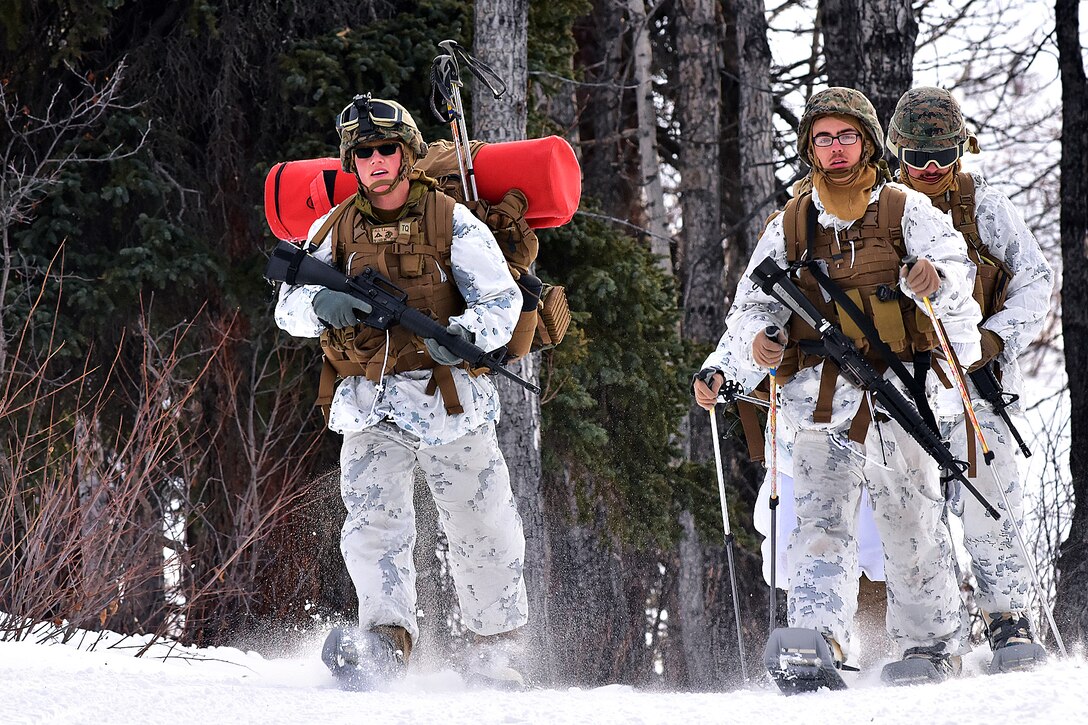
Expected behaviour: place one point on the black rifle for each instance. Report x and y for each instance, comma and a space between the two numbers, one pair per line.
291, 264
987, 386
838, 348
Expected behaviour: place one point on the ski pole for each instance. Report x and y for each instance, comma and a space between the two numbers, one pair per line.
988, 456
446, 80
772, 418
728, 542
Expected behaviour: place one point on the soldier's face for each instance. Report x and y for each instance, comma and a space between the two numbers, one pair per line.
931, 174
837, 156
378, 164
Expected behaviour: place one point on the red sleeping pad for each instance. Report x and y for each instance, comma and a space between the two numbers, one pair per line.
297, 193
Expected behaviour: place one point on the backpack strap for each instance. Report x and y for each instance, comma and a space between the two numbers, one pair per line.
331, 221
892, 204
440, 220
794, 226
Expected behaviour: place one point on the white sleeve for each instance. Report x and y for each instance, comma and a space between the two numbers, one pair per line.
1003, 231
928, 233
482, 276
295, 308
752, 311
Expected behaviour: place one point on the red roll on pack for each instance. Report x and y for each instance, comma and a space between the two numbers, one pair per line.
297, 193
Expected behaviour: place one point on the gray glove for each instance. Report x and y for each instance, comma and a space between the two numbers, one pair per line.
441, 355
337, 309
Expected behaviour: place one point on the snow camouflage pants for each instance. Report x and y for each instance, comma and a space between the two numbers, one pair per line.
924, 606
1004, 580
470, 483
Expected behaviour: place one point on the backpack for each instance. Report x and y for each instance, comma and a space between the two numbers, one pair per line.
522, 185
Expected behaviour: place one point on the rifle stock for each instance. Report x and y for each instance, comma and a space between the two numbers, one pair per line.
389, 305
775, 281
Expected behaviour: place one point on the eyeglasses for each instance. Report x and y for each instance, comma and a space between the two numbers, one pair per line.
375, 113
386, 149
846, 138
920, 159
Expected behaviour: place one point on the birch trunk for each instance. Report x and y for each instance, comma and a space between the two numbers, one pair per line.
649, 165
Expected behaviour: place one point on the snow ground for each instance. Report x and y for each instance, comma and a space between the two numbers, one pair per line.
54, 683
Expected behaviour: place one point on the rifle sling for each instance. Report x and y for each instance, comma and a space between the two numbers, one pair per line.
915, 383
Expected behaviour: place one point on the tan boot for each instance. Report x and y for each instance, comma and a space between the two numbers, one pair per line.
398, 636
491, 661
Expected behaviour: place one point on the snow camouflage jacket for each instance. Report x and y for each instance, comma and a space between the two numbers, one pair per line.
1020, 320
493, 306
927, 233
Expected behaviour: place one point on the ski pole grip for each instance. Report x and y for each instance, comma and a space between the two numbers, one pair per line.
771, 331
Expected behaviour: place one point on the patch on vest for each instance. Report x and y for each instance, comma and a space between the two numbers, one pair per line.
386, 234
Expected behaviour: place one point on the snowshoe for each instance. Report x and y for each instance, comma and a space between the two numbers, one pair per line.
1015, 649
362, 660
800, 660
921, 665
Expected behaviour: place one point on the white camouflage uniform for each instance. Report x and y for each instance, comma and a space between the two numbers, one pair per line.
924, 607
390, 428
996, 560
1004, 581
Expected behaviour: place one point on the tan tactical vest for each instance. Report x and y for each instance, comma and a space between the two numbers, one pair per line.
993, 276
414, 254
863, 260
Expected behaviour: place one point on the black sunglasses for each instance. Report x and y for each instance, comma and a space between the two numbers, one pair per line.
920, 159
386, 149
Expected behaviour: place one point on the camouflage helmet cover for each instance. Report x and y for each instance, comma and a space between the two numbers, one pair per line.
926, 119
839, 101
403, 129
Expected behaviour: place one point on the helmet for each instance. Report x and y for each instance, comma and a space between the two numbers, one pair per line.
367, 119
926, 119
840, 101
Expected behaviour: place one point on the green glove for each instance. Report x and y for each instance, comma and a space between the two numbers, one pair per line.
337, 309
441, 355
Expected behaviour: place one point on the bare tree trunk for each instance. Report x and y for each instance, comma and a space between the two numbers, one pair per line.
698, 110
755, 138
869, 45
609, 166
1071, 608
599, 594
649, 177
501, 32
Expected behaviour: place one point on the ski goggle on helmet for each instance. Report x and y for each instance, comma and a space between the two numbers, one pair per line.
919, 159
364, 114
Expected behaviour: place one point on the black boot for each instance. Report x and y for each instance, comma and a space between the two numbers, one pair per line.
1013, 644
922, 664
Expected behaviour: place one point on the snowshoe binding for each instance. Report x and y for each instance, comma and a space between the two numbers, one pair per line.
921, 665
363, 660
1015, 649
800, 660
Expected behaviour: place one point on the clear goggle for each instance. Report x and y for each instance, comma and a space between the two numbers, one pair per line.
364, 113
918, 159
